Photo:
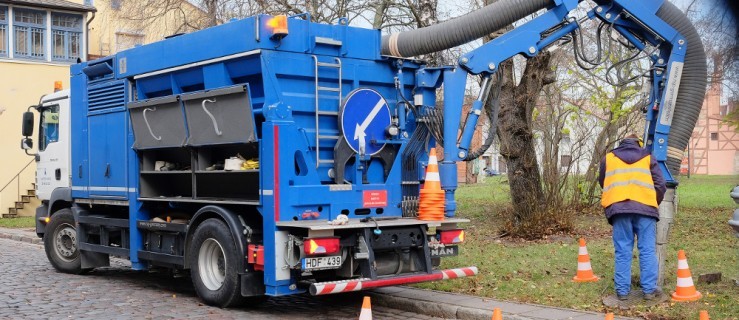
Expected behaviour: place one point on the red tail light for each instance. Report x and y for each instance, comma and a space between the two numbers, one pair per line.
451, 236
320, 246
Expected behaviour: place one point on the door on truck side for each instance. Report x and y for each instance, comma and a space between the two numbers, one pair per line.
52, 168
107, 150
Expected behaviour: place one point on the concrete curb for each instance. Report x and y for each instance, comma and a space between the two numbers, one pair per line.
433, 309
20, 235
458, 306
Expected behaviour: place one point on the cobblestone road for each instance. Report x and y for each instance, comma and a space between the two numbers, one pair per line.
31, 289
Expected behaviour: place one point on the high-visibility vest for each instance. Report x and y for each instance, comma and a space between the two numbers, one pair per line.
628, 182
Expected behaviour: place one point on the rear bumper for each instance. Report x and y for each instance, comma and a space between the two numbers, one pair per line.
323, 288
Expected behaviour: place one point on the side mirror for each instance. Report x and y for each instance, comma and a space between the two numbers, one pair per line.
27, 144
27, 124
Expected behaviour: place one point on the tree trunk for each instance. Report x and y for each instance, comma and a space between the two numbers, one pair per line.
469, 172
380, 9
425, 13
516, 136
211, 8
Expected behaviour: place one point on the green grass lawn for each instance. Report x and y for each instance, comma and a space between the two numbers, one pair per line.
21, 222
541, 271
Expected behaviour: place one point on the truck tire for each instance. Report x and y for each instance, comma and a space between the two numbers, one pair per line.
213, 266
60, 243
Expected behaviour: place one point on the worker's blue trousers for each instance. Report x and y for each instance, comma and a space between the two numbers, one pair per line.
625, 226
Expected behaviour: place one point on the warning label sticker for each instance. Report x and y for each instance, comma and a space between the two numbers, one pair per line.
670, 96
374, 198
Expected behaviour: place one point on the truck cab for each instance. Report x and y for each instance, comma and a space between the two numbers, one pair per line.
52, 158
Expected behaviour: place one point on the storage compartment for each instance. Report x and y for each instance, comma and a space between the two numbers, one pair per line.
158, 123
220, 116
237, 186
207, 157
166, 160
165, 242
166, 173
216, 184
172, 185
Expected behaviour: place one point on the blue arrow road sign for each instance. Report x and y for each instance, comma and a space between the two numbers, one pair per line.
364, 118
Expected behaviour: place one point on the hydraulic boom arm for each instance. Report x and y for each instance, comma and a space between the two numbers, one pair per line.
636, 21
653, 27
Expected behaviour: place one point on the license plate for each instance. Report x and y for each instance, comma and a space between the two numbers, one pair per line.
446, 251
320, 263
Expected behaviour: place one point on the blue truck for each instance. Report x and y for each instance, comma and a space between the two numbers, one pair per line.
274, 155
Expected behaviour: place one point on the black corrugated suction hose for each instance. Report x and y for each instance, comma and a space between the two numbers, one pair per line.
692, 85
460, 30
504, 12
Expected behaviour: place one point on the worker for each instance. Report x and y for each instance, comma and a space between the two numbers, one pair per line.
633, 187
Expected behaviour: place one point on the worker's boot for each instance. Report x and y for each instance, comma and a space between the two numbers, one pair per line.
656, 295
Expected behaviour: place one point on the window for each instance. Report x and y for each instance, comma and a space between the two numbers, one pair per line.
28, 28
714, 136
565, 161
66, 35
36, 33
49, 129
3, 31
565, 142
115, 4
125, 41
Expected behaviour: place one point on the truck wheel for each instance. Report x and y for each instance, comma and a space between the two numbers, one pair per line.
213, 265
60, 243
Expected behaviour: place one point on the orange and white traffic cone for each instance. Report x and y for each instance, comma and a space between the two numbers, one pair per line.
366, 313
584, 269
431, 202
497, 314
704, 315
685, 290
609, 316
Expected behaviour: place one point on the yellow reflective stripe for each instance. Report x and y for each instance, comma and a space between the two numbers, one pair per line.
643, 178
628, 170
628, 182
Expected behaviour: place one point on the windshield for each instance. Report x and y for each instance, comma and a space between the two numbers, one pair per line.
49, 129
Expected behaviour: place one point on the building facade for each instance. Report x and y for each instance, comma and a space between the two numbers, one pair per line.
40, 39
119, 25
714, 145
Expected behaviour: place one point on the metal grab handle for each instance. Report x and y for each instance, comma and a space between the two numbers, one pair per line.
212, 118
159, 138
305, 135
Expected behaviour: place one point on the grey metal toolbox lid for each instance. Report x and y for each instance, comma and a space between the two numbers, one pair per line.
220, 116
158, 122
